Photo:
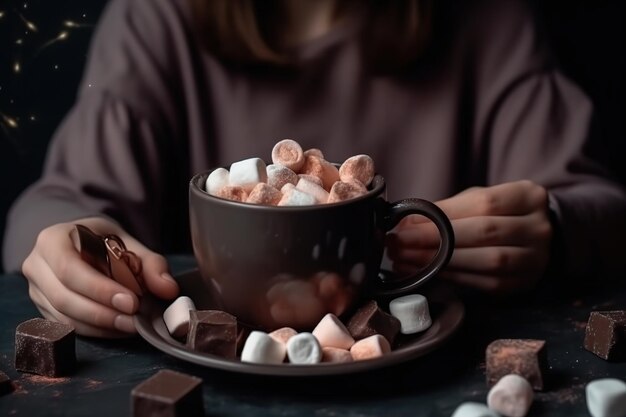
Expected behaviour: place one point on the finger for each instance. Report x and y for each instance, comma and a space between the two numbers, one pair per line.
478, 231
410, 255
81, 278
512, 198
496, 285
493, 260
156, 275
84, 329
77, 307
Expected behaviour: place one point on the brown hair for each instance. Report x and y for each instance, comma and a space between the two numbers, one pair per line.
239, 31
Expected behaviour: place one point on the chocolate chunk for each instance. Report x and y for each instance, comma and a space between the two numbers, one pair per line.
605, 334
370, 320
214, 332
524, 357
45, 347
5, 384
168, 393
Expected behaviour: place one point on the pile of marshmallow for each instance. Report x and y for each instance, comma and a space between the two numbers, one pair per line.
330, 341
295, 178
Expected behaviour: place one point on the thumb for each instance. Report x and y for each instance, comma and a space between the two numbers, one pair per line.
156, 275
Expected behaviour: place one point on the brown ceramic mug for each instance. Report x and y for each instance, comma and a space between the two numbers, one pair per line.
289, 266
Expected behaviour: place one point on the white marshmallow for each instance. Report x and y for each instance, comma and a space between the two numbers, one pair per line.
247, 173
176, 316
216, 180
412, 311
369, 348
295, 197
310, 187
260, 347
304, 349
471, 409
606, 397
511, 396
331, 332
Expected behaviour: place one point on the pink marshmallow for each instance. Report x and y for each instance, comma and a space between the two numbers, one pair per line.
370, 348
264, 194
278, 176
322, 169
358, 167
331, 332
233, 192
288, 153
342, 191
336, 355
314, 152
283, 334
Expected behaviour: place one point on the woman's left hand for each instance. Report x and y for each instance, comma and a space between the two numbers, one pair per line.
502, 238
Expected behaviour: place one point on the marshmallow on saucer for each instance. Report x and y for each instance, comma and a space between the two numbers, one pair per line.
304, 349
331, 332
283, 334
247, 173
260, 347
512, 396
336, 355
472, 409
412, 311
216, 180
370, 347
606, 397
176, 316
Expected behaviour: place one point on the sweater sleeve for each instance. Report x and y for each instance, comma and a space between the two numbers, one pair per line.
107, 158
534, 123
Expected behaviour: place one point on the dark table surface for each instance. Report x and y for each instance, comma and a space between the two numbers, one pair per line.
432, 385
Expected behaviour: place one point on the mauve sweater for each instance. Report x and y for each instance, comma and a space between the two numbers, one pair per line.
485, 107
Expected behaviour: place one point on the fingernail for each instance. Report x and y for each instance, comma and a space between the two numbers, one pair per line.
124, 323
166, 276
123, 302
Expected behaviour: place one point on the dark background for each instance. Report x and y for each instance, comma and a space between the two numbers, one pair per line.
587, 38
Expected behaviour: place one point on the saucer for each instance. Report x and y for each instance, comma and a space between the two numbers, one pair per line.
447, 312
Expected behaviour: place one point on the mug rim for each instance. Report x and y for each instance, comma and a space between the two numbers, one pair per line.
378, 187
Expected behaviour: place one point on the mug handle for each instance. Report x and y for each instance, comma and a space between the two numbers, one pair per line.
391, 285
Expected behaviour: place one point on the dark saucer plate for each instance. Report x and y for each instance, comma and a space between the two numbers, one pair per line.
446, 310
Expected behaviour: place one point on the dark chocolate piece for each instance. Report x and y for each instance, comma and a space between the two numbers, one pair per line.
168, 394
5, 384
524, 357
605, 334
45, 347
369, 320
214, 332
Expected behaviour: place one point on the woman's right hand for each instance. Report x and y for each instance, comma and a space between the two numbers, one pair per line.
66, 289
